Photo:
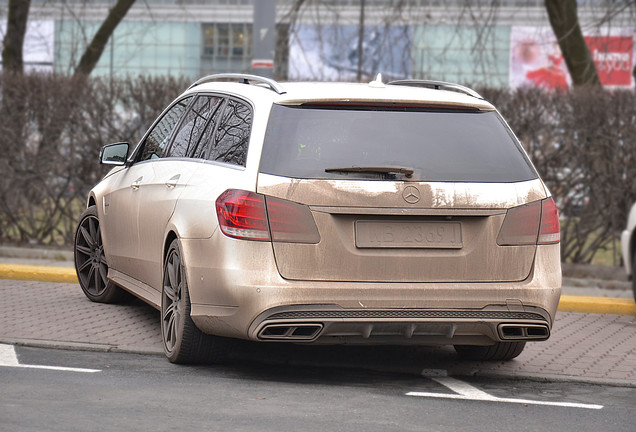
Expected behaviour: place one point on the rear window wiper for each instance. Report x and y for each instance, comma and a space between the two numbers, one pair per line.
408, 172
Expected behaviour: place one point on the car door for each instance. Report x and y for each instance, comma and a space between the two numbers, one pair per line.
132, 189
160, 192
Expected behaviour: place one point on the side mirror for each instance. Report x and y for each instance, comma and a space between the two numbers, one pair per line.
114, 154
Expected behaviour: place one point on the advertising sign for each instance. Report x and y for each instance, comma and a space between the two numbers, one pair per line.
536, 59
614, 59
330, 52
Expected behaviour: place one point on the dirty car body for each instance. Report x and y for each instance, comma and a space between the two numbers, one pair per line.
328, 213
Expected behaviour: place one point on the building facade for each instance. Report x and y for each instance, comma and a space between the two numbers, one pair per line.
503, 44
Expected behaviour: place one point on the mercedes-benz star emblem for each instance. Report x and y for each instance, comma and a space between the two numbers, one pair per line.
411, 194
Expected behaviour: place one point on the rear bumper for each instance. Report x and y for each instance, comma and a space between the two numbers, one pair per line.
329, 325
237, 292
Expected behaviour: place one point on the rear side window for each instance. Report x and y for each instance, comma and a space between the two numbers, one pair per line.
203, 147
438, 145
232, 136
194, 123
159, 136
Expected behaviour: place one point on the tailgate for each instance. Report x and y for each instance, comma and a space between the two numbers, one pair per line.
393, 231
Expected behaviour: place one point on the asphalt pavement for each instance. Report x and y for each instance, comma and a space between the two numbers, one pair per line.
593, 339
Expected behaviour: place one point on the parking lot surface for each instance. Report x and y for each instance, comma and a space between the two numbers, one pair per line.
596, 348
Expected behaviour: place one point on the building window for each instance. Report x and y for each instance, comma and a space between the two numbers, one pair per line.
226, 48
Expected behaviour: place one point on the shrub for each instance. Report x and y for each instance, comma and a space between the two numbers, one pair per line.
583, 142
51, 130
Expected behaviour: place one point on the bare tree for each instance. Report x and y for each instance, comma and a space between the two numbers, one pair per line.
16, 29
565, 24
14, 39
95, 49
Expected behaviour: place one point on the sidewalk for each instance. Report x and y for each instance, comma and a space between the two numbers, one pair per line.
579, 294
586, 347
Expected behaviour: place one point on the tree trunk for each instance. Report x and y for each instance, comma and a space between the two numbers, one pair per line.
565, 24
96, 48
14, 39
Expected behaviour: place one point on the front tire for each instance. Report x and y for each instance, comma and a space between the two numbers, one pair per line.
90, 261
498, 351
183, 342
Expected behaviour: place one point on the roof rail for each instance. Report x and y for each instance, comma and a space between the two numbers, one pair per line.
438, 85
242, 78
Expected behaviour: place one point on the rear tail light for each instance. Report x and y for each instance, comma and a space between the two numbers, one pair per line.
550, 231
242, 215
531, 224
291, 222
251, 216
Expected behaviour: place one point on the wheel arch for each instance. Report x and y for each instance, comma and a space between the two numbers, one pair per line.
170, 237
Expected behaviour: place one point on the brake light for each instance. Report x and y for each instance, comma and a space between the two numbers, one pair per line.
251, 216
550, 232
531, 224
291, 222
242, 215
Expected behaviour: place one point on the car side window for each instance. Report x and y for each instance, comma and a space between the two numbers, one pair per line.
159, 136
233, 134
203, 148
187, 137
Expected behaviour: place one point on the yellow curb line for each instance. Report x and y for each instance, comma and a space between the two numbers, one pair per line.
38, 273
568, 303
599, 305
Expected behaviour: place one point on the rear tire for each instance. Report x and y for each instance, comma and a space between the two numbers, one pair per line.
183, 342
90, 261
498, 351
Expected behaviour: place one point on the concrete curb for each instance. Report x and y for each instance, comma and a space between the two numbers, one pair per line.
568, 303
599, 305
38, 273
81, 346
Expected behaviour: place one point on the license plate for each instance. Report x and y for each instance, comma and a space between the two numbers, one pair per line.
416, 235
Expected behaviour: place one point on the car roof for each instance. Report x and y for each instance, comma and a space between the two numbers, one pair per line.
339, 93
312, 92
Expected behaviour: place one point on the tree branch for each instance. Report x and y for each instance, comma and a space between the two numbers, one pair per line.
95, 49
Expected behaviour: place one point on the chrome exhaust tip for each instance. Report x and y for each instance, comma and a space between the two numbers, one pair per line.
294, 332
524, 331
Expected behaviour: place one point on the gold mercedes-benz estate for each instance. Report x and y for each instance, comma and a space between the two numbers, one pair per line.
326, 213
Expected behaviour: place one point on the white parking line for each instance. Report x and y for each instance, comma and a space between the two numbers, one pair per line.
8, 358
465, 391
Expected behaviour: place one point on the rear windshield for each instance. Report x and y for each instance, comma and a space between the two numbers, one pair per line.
437, 145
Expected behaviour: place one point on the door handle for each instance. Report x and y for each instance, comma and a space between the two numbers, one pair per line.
135, 185
173, 181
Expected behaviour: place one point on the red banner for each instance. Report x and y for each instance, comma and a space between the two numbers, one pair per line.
613, 57
536, 60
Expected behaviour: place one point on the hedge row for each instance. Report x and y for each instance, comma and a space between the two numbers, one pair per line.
52, 127
583, 143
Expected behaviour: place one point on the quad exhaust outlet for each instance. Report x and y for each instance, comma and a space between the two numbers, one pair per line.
524, 331
299, 332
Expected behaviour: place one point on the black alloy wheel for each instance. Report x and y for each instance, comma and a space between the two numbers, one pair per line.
183, 342
90, 261
172, 303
